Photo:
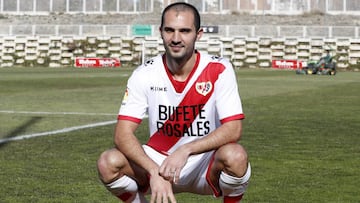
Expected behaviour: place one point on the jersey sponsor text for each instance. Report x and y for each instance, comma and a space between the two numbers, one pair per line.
174, 121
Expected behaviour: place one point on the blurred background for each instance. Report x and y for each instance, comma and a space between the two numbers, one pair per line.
250, 32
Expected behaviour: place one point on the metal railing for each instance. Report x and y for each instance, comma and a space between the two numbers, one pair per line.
291, 7
39, 7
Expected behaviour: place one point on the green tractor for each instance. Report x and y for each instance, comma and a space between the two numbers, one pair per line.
321, 67
325, 66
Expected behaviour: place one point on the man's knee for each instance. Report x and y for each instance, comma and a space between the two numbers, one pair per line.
234, 158
109, 163
233, 153
234, 177
239, 155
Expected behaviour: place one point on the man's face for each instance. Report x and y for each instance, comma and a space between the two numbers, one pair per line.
179, 34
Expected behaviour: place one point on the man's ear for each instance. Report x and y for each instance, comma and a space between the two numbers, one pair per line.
199, 33
160, 32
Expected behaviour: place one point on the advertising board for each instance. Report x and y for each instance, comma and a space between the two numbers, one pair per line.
96, 62
287, 64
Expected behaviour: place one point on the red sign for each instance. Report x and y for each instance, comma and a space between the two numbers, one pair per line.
287, 64
97, 62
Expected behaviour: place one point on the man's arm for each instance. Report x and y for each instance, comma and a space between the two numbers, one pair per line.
226, 133
127, 143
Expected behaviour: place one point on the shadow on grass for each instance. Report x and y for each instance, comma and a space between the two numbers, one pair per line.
19, 130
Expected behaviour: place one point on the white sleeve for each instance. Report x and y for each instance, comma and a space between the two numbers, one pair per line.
135, 102
228, 102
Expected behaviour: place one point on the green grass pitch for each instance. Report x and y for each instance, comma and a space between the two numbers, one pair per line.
301, 133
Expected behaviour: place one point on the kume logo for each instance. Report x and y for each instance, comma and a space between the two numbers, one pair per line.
203, 88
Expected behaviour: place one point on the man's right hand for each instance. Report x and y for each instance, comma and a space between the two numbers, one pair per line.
161, 190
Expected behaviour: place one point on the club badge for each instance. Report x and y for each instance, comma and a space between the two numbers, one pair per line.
203, 88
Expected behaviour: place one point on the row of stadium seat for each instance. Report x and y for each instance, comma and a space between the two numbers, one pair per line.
242, 51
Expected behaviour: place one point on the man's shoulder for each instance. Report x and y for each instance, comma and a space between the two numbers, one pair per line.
154, 61
148, 70
151, 63
208, 58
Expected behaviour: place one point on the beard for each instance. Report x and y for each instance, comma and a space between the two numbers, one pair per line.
178, 53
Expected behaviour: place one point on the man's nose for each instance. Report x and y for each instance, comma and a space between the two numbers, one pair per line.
176, 39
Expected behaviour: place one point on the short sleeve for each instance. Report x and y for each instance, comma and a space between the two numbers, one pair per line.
228, 101
134, 104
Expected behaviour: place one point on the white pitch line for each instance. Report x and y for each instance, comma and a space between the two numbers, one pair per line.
65, 130
55, 113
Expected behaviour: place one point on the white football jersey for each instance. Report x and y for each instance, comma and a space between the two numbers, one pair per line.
180, 112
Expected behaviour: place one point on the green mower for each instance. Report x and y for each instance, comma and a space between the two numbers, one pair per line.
325, 66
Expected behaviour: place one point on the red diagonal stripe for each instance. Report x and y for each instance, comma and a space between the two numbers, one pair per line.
162, 142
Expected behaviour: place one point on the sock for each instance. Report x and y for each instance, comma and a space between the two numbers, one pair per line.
126, 189
232, 187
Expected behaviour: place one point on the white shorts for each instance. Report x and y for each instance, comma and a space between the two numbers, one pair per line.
193, 177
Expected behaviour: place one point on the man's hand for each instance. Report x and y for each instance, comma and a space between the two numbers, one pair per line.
171, 167
161, 190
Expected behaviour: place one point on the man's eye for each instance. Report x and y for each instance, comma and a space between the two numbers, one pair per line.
168, 30
185, 30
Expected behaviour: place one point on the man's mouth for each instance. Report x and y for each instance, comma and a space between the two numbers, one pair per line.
176, 47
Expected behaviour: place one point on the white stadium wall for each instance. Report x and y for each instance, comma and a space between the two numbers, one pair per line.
61, 51
55, 43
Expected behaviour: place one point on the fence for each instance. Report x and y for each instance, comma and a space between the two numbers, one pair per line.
276, 6
75, 6
205, 6
224, 30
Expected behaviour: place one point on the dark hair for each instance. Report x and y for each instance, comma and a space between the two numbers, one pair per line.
182, 6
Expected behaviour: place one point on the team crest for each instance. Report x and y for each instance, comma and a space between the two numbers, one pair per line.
203, 88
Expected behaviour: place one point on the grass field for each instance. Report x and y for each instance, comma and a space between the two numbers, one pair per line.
301, 132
